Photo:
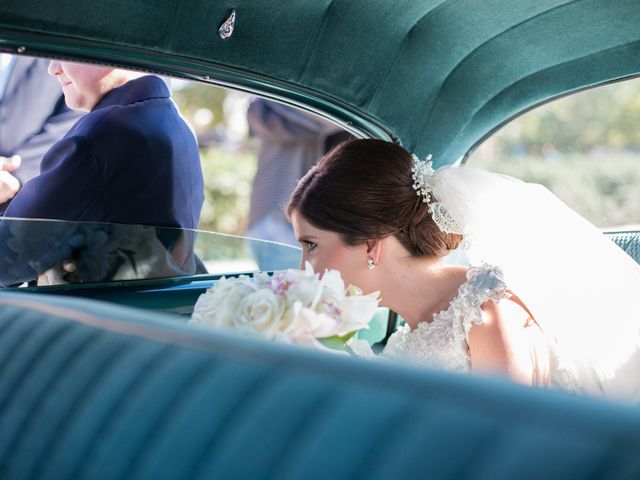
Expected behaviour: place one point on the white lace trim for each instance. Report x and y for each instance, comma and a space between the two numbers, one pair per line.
443, 342
443, 219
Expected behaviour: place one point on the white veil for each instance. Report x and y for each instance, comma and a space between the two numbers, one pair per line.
582, 289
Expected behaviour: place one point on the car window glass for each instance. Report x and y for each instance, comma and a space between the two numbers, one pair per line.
251, 154
584, 147
46, 252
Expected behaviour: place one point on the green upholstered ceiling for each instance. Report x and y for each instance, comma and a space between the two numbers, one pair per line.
435, 75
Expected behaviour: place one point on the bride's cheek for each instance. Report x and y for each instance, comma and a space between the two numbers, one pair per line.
317, 266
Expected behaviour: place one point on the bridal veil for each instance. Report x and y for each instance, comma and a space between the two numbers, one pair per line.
581, 288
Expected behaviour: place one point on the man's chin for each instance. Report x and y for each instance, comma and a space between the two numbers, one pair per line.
74, 102
76, 105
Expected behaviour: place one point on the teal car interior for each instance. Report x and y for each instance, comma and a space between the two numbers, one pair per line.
101, 377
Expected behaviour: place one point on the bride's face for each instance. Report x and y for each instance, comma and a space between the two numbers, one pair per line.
326, 250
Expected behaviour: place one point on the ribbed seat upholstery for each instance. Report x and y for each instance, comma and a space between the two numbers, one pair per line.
628, 241
91, 391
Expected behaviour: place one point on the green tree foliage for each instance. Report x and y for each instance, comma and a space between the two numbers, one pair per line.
193, 97
228, 169
227, 180
604, 189
605, 117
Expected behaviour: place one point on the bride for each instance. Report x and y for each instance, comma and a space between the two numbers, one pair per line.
548, 300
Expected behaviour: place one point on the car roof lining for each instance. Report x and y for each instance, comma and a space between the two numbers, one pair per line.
435, 76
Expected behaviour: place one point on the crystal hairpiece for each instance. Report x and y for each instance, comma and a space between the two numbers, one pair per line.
423, 174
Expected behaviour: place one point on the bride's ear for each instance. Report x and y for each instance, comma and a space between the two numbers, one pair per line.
374, 247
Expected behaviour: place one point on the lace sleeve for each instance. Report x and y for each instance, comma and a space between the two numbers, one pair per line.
484, 283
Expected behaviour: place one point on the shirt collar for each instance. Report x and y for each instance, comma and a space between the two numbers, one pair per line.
137, 90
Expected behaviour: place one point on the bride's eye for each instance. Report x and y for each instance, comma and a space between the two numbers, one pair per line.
310, 246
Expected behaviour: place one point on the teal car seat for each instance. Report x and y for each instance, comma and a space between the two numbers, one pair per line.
90, 390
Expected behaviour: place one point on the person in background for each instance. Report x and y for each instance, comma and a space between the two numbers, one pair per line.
291, 142
33, 116
132, 159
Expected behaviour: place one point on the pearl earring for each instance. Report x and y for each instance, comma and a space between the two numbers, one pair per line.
370, 264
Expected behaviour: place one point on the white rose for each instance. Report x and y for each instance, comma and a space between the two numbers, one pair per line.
260, 312
305, 290
261, 280
218, 306
306, 322
302, 283
306, 327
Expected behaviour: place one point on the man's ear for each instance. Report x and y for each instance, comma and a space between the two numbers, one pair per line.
374, 248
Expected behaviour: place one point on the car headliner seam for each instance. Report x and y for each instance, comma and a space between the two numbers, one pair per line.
538, 104
401, 46
427, 117
319, 27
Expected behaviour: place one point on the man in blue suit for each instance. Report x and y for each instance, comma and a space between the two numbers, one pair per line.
132, 159
33, 116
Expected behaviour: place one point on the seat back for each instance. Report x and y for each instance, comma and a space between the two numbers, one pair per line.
629, 241
91, 390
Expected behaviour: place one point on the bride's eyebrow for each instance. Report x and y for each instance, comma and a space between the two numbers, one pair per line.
306, 238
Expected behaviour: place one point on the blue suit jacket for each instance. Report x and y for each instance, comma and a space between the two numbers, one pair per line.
132, 159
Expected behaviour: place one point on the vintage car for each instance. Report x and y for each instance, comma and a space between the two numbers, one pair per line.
101, 377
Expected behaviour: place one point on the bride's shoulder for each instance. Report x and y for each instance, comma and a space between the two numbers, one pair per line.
458, 273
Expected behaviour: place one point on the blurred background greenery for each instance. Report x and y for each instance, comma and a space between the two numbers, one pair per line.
604, 189
227, 181
584, 147
228, 155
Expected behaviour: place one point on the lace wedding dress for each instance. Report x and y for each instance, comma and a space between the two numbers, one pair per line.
581, 288
443, 342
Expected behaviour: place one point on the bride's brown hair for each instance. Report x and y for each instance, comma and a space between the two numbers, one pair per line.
362, 190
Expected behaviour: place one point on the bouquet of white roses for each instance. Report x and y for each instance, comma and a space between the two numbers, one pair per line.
295, 306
